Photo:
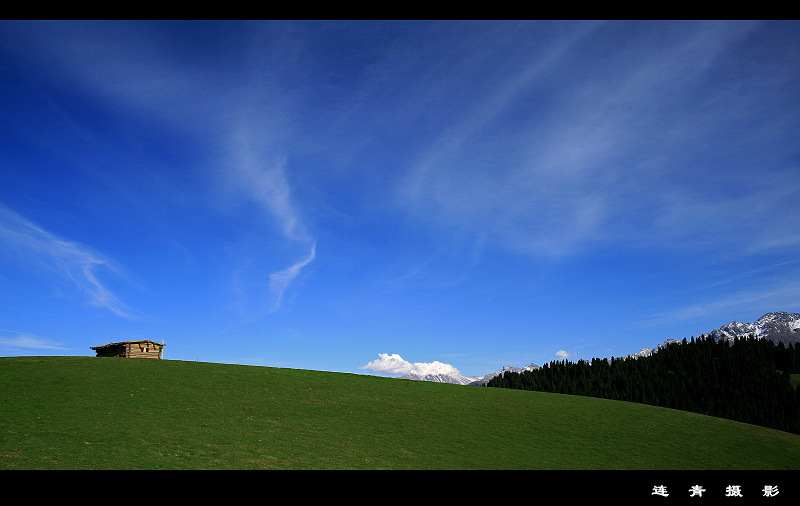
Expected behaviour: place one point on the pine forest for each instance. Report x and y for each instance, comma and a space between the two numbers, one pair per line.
746, 379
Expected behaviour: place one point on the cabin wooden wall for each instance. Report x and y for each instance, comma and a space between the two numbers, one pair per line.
144, 350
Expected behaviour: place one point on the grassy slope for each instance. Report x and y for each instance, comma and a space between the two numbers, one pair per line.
106, 413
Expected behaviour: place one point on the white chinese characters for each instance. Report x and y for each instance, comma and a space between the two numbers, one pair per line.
730, 491
696, 490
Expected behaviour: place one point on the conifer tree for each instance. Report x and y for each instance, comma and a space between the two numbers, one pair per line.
746, 379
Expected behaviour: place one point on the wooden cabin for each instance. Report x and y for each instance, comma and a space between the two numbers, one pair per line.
130, 349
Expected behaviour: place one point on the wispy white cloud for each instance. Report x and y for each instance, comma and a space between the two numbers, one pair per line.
256, 177
28, 341
562, 354
28, 243
613, 156
279, 281
784, 296
395, 364
452, 181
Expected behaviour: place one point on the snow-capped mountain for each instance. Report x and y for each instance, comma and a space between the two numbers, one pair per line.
457, 379
646, 352
778, 326
485, 379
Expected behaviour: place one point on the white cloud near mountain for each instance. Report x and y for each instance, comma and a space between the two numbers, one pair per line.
395, 364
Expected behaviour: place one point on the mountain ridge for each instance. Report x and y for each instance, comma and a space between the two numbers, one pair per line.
460, 379
778, 326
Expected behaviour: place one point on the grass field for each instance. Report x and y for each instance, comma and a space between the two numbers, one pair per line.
109, 413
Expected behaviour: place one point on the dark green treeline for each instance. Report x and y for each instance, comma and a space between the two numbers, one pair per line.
746, 380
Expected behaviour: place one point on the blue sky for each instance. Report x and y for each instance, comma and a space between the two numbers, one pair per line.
441, 195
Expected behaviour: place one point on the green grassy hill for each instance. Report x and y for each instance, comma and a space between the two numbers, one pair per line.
108, 413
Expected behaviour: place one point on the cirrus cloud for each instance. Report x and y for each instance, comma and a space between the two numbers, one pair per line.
27, 341
31, 244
